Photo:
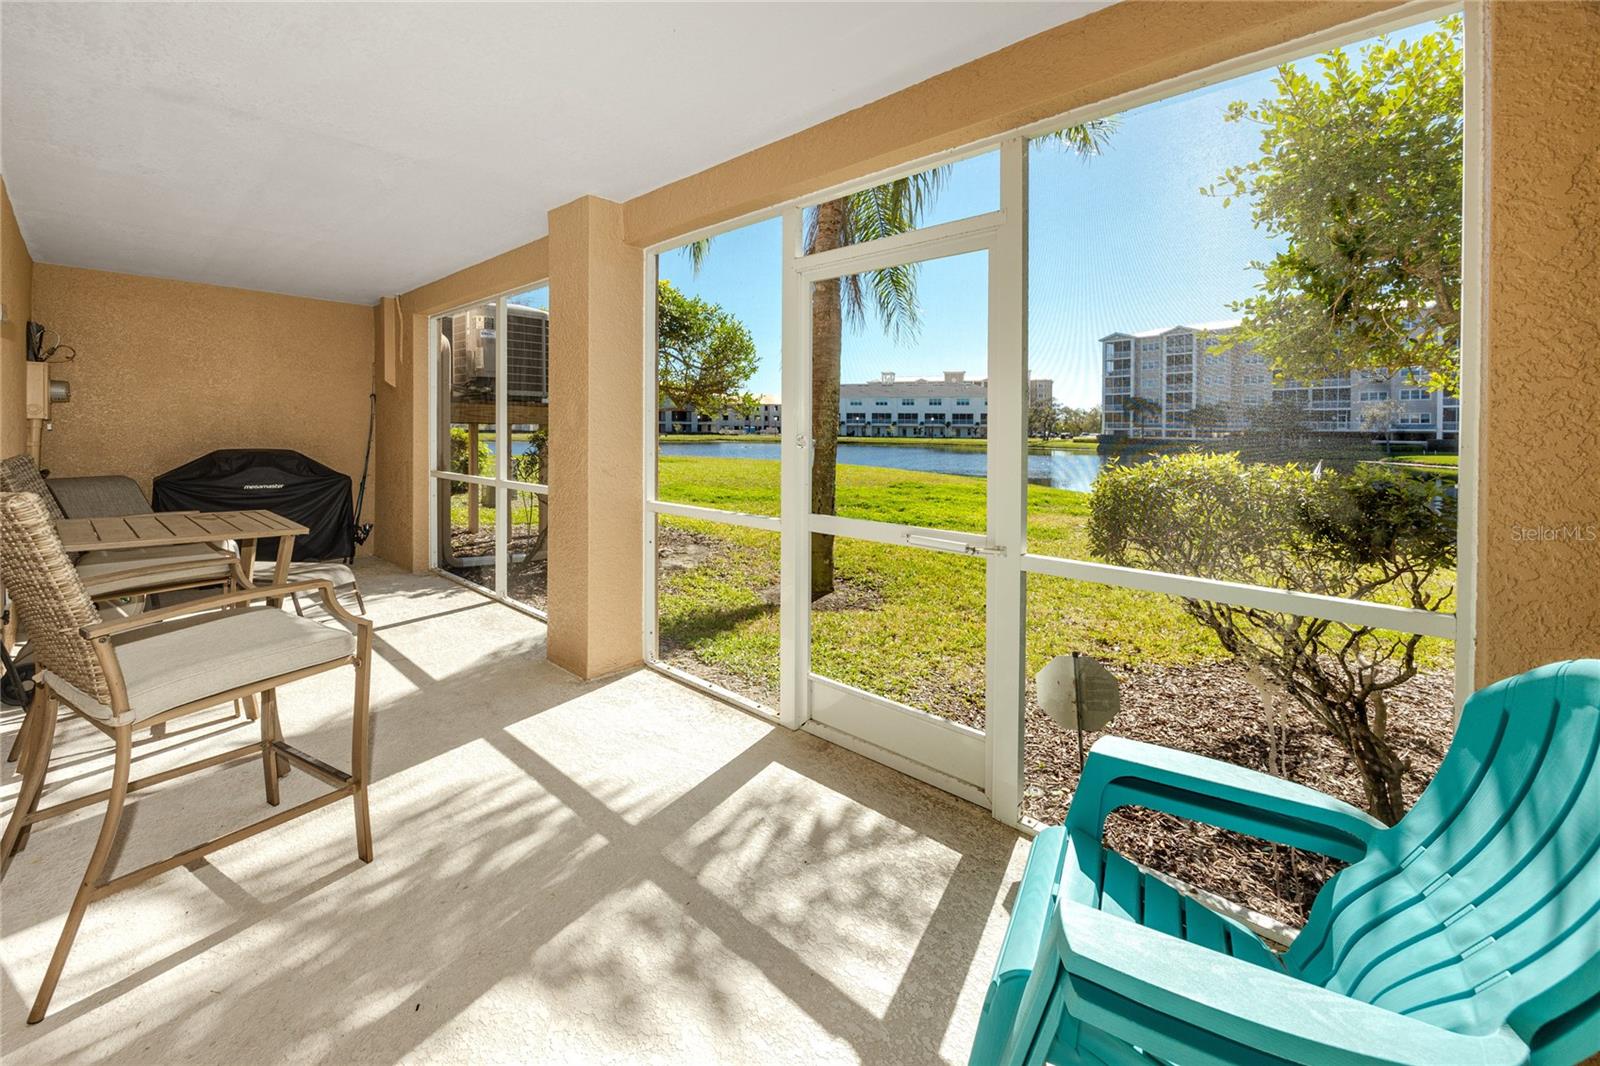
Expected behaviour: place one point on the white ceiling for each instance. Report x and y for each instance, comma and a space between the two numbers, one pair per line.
348, 151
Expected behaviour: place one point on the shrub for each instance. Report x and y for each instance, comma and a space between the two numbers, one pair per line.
460, 442
1369, 534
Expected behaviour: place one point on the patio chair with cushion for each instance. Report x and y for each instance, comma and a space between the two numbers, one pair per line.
1469, 932
109, 575
151, 668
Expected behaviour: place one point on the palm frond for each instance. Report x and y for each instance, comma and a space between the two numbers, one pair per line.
853, 298
887, 210
899, 206
697, 253
1085, 140
894, 298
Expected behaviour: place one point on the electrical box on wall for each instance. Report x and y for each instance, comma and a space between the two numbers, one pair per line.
36, 392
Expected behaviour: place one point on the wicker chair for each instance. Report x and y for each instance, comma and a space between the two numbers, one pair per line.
151, 668
136, 572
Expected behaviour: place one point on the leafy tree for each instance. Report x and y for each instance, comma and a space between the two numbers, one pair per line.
1142, 410
1078, 421
1360, 174
1209, 418
529, 465
705, 355
1379, 417
1368, 535
1043, 418
889, 294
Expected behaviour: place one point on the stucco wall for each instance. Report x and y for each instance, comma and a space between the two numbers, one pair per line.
169, 370
596, 481
16, 289
1539, 534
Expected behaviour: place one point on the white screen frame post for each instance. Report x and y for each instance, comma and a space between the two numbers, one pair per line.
499, 485
797, 452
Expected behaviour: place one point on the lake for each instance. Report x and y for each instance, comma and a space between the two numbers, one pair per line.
1057, 468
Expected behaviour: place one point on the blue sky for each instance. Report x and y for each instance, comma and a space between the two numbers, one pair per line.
1124, 241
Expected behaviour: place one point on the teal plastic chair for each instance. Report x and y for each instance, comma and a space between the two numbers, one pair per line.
1469, 933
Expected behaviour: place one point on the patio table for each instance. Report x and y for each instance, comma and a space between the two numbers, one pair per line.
163, 528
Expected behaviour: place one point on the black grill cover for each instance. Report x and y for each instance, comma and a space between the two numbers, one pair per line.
288, 483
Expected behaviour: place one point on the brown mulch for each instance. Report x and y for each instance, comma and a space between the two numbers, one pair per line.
525, 581
1212, 710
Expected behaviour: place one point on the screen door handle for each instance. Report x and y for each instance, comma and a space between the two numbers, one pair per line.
958, 547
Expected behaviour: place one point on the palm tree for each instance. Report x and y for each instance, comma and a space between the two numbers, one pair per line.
884, 210
1142, 409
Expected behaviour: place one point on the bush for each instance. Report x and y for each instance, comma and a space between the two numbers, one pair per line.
460, 442
1370, 534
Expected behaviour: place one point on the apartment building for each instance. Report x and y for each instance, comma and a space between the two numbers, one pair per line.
951, 406
1189, 381
763, 418
944, 407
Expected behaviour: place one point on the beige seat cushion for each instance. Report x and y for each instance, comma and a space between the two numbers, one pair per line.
338, 573
174, 663
105, 573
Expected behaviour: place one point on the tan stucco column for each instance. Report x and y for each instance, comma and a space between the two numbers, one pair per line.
1539, 469
596, 440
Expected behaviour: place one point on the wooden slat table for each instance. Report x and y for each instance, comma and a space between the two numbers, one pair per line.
187, 527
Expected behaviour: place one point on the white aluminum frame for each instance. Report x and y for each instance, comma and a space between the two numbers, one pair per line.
1008, 566
499, 484
654, 507
984, 766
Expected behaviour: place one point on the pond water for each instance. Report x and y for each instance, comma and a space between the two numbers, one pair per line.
1057, 468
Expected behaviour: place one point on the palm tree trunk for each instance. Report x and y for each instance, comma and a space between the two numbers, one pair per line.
827, 327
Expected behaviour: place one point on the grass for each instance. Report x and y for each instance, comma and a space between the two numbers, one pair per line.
524, 512
909, 623
1427, 459
969, 444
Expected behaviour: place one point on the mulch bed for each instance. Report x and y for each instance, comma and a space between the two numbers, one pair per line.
526, 579
1212, 710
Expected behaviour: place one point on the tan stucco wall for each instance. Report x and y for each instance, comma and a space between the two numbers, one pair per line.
169, 370
16, 291
1539, 572
596, 480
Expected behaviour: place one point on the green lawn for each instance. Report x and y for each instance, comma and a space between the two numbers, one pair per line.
524, 510
910, 624
1438, 459
974, 444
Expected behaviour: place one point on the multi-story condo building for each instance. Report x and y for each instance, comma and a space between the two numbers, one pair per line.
1189, 381
763, 418
950, 406
915, 407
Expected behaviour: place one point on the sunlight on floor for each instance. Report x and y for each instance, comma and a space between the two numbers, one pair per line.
565, 871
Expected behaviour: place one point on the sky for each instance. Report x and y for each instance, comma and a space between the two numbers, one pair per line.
1121, 242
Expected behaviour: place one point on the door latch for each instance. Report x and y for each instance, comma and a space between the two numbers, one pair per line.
956, 547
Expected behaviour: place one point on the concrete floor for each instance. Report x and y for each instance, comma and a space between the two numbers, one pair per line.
621, 870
